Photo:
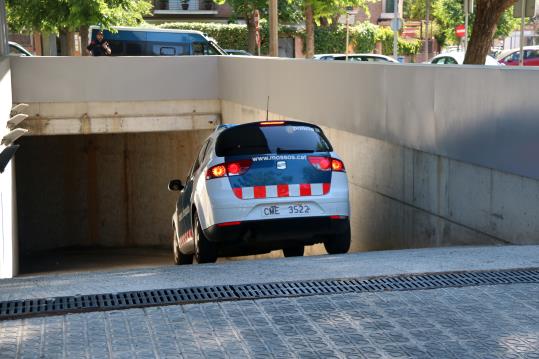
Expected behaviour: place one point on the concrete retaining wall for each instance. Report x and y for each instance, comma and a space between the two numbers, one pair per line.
8, 229
405, 198
437, 155
90, 79
475, 114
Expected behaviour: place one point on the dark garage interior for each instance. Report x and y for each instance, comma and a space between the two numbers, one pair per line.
97, 202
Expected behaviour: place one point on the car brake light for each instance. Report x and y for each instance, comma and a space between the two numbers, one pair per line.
228, 224
271, 123
229, 169
216, 172
326, 163
338, 217
321, 163
337, 165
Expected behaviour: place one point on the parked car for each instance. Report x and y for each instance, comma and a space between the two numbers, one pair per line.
238, 52
17, 50
457, 58
355, 58
131, 41
512, 57
258, 187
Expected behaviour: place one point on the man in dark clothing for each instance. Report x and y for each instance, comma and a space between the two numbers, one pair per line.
99, 47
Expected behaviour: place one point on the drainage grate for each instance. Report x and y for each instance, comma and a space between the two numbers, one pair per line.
112, 301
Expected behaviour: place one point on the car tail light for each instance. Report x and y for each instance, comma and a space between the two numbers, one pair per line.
228, 224
337, 165
216, 172
272, 123
326, 163
235, 168
338, 217
321, 163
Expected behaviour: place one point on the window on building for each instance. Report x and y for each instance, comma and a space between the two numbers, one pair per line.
390, 6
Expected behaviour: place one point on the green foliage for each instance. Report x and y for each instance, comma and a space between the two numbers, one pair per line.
414, 9
330, 8
56, 15
408, 47
450, 13
289, 11
231, 36
333, 39
228, 36
363, 37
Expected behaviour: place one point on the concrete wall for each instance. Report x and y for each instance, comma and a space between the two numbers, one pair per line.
100, 190
8, 235
105, 117
90, 79
435, 155
406, 198
480, 115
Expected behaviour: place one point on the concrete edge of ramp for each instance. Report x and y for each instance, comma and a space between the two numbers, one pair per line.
355, 265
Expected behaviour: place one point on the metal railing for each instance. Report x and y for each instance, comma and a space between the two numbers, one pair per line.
186, 5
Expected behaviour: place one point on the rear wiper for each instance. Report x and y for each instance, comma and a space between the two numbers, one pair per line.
285, 150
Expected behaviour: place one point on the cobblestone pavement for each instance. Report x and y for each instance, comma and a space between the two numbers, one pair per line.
474, 322
353, 265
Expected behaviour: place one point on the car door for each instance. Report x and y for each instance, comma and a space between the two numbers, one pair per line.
184, 204
531, 58
512, 59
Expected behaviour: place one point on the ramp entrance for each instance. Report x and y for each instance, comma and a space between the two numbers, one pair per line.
97, 202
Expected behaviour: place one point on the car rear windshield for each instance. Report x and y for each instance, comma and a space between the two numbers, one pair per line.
256, 139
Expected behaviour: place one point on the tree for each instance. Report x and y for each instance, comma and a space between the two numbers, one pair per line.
65, 16
57, 15
315, 10
492, 18
289, 12
450, 13
487, 15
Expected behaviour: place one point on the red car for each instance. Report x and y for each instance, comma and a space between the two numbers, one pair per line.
511, 57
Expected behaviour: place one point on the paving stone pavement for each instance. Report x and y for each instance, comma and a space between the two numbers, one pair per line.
473, 322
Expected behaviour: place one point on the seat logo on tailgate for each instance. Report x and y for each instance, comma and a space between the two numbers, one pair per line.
281, 165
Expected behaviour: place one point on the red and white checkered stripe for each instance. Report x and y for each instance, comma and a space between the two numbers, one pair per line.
282, 190
187, 235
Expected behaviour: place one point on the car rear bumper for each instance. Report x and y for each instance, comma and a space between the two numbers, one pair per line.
262, 236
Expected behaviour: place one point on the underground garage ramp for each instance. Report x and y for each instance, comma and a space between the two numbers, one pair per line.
94, 202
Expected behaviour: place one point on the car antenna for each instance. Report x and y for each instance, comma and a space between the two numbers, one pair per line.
267, 110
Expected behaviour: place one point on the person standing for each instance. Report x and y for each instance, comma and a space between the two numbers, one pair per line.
99, 47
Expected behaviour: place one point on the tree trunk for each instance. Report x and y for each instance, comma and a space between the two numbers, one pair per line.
84, 31
67, 43
309, 30
251, 30
487, 15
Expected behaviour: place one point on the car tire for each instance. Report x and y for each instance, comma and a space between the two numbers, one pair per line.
339, 243
179, 257
205, 251
295, 251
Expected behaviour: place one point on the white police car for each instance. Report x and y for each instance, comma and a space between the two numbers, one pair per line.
259, 187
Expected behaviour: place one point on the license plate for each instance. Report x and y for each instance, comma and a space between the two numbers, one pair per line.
286, 210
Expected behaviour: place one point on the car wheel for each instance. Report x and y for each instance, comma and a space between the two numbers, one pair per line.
295, 251
339, 243
179, 257
204, 250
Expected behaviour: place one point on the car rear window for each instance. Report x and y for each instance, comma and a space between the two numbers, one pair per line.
256, 139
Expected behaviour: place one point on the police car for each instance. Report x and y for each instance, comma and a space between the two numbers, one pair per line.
259, 187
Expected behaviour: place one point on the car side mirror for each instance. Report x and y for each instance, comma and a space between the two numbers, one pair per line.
175, 185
